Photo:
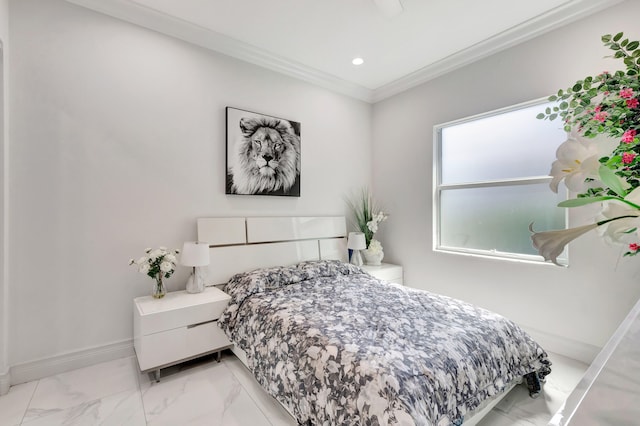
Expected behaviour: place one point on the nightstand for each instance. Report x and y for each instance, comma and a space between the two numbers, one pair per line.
386, 272
178, 327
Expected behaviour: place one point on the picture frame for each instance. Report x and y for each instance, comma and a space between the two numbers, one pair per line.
262, 154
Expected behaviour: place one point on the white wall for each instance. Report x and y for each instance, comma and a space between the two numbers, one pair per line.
580, 306
118, 143
4, 285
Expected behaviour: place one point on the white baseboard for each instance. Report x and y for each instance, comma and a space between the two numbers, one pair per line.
34, 370
570, 348
5, 382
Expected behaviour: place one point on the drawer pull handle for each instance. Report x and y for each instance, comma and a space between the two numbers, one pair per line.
200, 323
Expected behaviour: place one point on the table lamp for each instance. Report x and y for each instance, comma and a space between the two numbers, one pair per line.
196, 255
356, 242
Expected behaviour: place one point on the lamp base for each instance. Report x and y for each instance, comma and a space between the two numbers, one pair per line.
195, 283
356, 258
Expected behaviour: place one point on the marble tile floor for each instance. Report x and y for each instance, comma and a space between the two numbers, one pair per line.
205, 392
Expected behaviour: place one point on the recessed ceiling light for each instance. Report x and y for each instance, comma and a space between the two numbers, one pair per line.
357, 61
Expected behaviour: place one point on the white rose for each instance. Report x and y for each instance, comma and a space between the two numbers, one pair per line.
142, 260
166, 267
144, 268
170, 258
155, 254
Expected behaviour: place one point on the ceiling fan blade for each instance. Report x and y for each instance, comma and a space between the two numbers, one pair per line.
390, 8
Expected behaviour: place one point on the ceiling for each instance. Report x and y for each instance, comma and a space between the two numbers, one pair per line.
316, 40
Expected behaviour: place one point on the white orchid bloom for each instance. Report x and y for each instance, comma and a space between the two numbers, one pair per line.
550, 244
624, 230
577, 160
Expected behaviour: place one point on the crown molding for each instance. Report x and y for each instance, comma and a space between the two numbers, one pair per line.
141, 15
562, 15
152, 19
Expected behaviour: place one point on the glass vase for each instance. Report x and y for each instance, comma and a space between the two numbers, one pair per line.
158, 288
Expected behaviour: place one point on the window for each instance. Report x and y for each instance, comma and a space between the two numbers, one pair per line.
491, 180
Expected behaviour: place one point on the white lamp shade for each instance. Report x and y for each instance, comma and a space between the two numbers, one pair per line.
195, 253
356, 241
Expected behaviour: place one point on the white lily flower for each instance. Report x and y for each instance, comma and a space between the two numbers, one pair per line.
624, 230
577, 161
550, 244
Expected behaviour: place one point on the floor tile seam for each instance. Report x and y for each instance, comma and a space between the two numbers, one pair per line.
33, 393
85, 403
106, 395
138, 375
249, 393
144, 410
133, 371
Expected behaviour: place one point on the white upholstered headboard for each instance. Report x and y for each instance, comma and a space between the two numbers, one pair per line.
239, 244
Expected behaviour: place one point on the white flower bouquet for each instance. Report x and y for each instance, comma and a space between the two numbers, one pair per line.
367, 215
158, 264
607, 104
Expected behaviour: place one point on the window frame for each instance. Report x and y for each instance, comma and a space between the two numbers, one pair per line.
438, 187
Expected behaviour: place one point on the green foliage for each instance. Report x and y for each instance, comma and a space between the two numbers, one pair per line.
366, 214
607, 104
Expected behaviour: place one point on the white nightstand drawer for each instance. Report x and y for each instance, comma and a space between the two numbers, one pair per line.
168, 347
178, 327
179, 309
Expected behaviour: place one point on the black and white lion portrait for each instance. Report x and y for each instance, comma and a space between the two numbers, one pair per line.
266, 157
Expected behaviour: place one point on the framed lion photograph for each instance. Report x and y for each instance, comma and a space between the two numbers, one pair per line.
263, 154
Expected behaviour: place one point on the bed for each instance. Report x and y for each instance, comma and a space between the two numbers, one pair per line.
335, 345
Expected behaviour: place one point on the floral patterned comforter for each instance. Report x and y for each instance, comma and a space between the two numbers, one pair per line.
339, 347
